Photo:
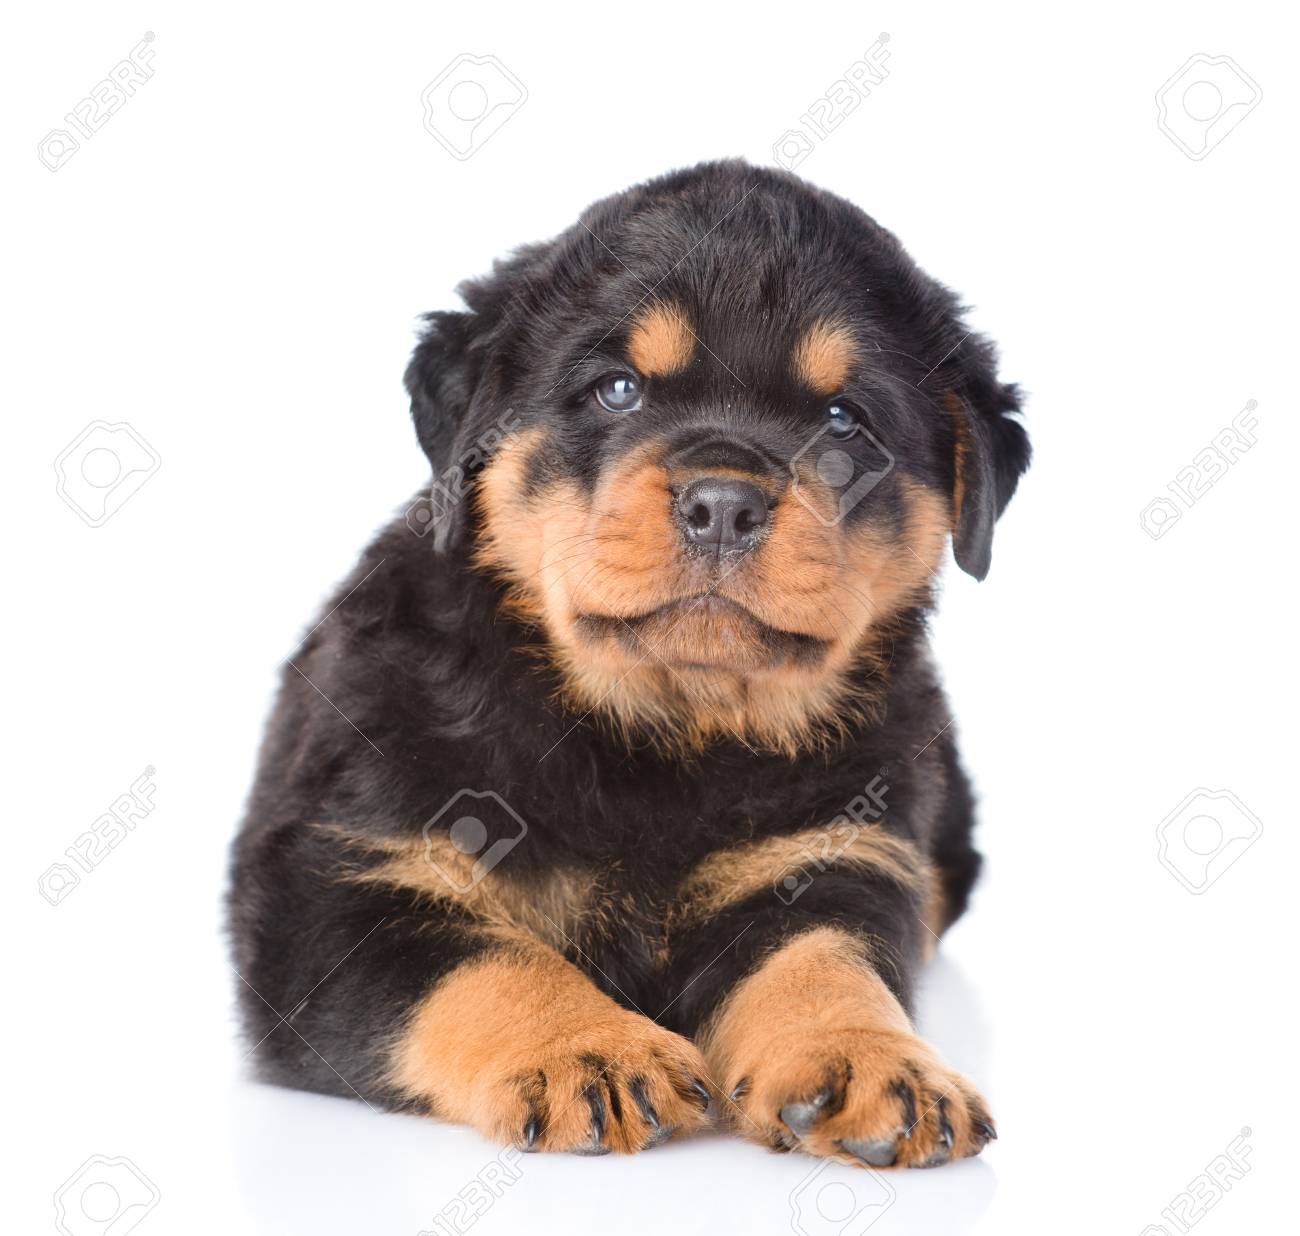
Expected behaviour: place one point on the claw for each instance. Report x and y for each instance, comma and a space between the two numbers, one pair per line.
532, 1127
945, 1128
905, 1095
701, 1093
598, 1116
615, 1102
943, 1152
636, 1088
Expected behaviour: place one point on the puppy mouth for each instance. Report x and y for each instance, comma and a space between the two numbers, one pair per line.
703, 631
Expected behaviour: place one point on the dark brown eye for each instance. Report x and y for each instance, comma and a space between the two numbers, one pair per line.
620, 392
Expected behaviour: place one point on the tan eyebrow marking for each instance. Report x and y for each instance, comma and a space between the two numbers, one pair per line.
661, 342
824, 356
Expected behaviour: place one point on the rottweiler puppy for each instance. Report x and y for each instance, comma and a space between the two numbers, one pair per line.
616, 791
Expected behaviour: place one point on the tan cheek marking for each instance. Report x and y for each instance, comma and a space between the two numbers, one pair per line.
732, 875
823, 358
508, 541
893, 571
661, 342
798, 568
836, 583
633, 553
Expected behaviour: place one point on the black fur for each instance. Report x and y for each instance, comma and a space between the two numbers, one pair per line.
419, 684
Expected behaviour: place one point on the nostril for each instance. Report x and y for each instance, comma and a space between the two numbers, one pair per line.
723, 513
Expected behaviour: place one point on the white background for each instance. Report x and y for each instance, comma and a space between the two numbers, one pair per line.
233, 265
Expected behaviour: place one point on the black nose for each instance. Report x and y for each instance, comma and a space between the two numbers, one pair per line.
723, 514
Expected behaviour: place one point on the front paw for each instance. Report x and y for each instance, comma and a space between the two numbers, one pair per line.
523, 1047
620, 1084
877, 1097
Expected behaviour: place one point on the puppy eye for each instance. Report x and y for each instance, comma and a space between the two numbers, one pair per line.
843, 420
620, 392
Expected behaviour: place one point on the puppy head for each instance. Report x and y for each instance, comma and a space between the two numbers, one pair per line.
718, 434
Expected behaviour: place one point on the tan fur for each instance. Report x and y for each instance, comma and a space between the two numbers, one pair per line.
660, 342
523, 1034
731, 875
701, 669
551, 909
823, 357
957, 411
815, 1009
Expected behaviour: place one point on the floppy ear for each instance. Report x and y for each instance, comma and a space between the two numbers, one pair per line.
990, 452
440, 380
455, 401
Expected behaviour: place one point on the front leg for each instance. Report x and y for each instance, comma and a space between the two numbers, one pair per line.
802, 1018
366, 973
522, 1045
